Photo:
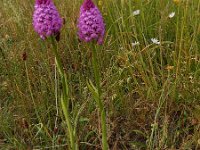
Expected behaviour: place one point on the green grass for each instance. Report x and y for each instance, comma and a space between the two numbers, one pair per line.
151, 92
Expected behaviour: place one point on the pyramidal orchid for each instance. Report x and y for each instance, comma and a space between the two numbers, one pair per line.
90, 23
91, 28
47, 23
46, 19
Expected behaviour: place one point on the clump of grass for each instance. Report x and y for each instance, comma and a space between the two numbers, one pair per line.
151, 91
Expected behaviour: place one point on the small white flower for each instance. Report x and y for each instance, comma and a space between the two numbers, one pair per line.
155, 41
135, 43
136, 12
172, 14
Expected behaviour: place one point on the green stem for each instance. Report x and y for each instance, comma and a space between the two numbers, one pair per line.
99, 101
65, 96
58, 60
65, 108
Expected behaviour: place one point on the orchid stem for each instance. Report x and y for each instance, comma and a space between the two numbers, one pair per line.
65, 95
99, 101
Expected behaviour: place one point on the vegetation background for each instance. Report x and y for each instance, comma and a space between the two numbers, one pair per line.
151, 91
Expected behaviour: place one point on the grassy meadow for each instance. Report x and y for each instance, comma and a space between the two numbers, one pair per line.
150, 88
